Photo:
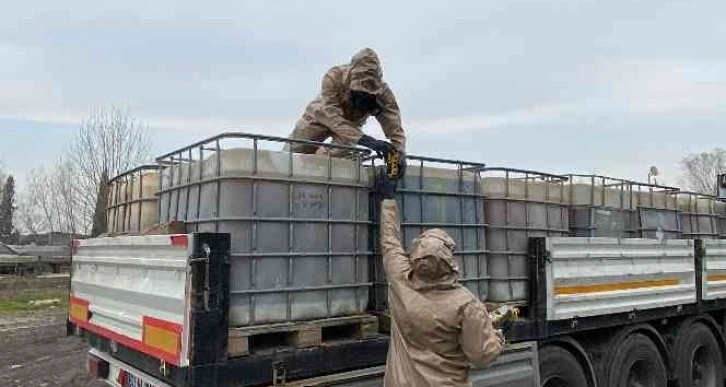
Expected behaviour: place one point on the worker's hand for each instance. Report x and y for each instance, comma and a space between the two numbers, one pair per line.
500, 336
379, 146
384, 186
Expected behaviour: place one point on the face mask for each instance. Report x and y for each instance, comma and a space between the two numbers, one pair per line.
364, 101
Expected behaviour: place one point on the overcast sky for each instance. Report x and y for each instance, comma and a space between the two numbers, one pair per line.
562, 86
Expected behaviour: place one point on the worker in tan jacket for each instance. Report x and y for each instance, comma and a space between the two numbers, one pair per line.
350, 94
438, 327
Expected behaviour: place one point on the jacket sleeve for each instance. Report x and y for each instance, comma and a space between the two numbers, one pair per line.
395, 262
390, 119
478, 339
330, 114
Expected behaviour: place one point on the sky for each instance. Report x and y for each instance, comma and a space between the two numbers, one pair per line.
609, 87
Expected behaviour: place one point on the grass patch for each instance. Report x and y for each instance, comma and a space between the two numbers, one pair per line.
27, 301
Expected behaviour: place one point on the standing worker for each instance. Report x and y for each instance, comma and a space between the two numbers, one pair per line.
350, 94
438, 326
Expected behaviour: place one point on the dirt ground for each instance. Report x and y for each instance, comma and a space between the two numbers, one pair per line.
34, 350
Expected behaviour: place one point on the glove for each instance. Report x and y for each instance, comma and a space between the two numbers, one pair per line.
384, 186
379, 146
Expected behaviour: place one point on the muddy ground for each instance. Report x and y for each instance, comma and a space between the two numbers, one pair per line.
34, 349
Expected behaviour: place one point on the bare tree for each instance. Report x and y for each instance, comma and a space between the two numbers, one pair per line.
700, 170
49, 202
30, 216
109, 141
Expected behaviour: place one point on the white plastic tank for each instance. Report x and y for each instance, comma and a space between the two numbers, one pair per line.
657, 208
699, 215
601, 206
441, 194
298, 224
132, 201
518, 205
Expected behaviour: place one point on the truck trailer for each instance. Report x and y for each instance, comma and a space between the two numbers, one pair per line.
276, 278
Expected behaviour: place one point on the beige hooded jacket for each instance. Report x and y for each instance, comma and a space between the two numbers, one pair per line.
438, 327
331, 115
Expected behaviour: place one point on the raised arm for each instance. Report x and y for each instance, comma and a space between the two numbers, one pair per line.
395, 262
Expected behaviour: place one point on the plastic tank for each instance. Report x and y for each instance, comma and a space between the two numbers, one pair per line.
298, 224
657, 207
132, 201
698, 215
601, 207
518, 205
721, 217
440, 194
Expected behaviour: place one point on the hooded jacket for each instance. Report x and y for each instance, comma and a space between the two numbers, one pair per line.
438, 327
332, 115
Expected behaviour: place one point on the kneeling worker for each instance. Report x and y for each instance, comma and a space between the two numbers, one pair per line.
350, 94
438, 327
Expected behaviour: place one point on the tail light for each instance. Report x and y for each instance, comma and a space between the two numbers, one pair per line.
98, 368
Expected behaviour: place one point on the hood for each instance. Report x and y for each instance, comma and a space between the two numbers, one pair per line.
365, 72
432, 258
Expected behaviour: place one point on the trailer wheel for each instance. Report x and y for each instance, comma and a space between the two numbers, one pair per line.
636, 363
698, 358
559, 368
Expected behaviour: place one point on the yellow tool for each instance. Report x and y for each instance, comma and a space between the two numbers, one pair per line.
393, 164
504, 317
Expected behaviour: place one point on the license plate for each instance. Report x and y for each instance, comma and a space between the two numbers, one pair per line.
132, 380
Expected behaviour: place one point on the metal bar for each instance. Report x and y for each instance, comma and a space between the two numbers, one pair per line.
134, 170
277, 219
460, 174
253, 292
199, 187
506, 218
282, 254
331, 254
625, 181
256, 137
170, 190
291, 231
421, 194
259, 178
253, 264
527, 172
329, 230
478, 204
141, 194
356, 215
189, 189
131, 202
514, 200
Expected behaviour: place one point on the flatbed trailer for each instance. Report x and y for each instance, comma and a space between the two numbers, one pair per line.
607, 311
167, 310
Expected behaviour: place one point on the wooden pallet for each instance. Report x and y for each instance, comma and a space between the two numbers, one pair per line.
299, 334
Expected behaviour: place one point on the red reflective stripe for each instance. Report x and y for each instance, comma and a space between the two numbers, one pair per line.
127, 341
179, 240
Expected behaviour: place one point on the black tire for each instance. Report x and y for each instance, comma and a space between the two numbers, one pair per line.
559, 368
636, 362
698, 359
